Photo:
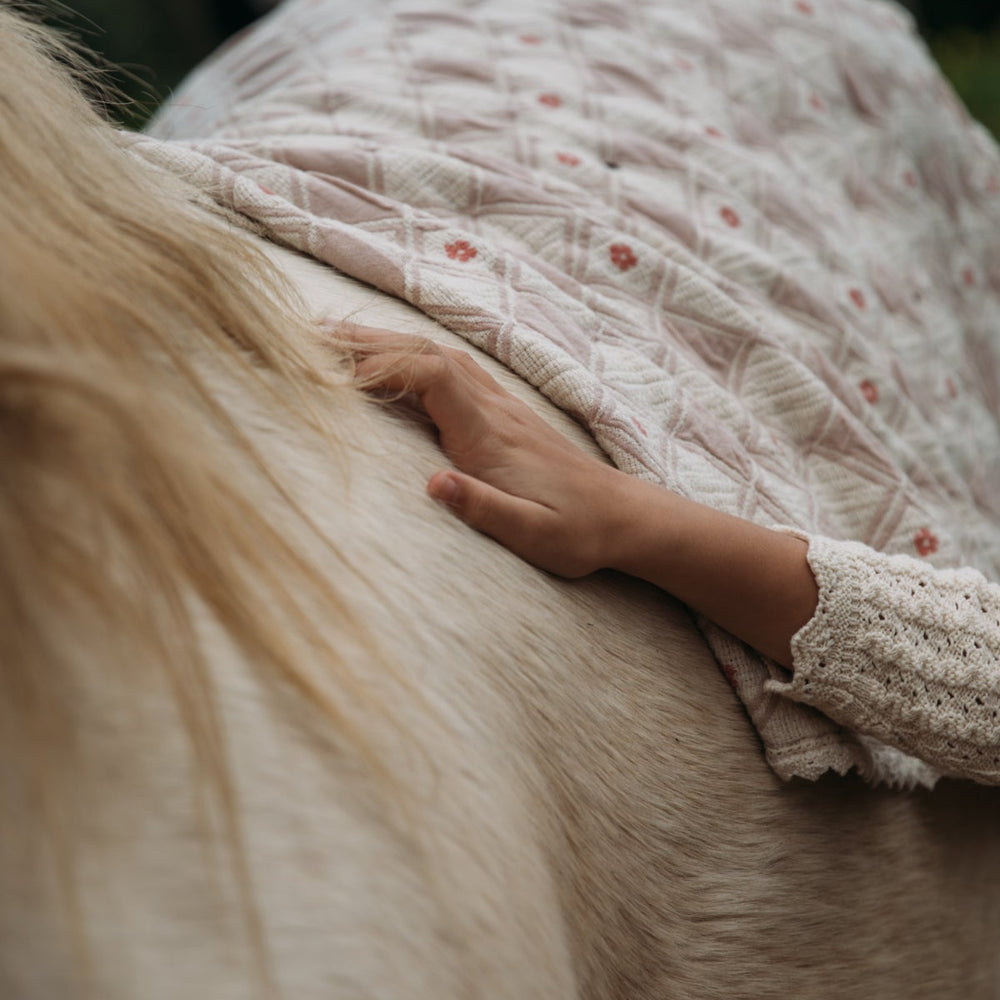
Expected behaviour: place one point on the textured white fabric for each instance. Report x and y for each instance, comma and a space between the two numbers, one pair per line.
905, 653
753, 245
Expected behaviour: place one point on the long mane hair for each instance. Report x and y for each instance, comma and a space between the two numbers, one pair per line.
132, 504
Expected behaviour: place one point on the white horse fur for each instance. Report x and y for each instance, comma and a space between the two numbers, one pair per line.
549, 790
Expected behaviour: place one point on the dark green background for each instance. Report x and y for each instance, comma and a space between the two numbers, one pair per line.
157, 41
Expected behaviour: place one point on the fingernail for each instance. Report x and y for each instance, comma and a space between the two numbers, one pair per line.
446, 489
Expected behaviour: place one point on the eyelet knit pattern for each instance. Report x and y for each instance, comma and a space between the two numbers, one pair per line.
905, 653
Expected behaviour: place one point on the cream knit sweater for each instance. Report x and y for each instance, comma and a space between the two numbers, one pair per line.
906, 653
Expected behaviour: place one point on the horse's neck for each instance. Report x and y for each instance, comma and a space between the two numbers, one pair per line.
435, 880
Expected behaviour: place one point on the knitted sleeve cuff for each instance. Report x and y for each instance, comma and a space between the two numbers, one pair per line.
903, 652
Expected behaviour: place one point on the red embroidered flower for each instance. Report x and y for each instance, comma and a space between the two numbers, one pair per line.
869, 390
550, 100
730, 216
858, 297
460, 250
926, 542
804, 7
969, 277
531, 39
622, 256
569, 159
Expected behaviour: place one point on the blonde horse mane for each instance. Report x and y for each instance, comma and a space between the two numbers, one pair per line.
132, 506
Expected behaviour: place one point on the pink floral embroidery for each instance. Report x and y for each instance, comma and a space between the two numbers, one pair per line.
460, 250
550, 100
730, 216
531, 39
869, 390
858, 297
569, 159
622, 256
926, 542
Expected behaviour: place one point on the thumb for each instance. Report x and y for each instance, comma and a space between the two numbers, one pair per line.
508, 519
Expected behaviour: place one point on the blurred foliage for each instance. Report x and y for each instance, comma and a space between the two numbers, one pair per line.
942, 16
156, 42
148, 45
972, 64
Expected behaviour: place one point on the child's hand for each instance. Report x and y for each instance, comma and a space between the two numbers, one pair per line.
521, 482
550, 503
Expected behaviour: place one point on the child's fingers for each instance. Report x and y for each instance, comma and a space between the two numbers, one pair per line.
366, 341
511, 520
446, 389
362, 340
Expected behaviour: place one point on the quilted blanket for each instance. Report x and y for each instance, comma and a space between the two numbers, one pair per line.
753, 245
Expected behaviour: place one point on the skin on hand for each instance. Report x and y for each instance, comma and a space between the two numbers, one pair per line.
515, 478
524, 484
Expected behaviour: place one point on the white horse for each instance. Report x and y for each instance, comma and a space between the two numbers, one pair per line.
520, 787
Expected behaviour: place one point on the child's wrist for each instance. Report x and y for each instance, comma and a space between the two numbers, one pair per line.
640, 526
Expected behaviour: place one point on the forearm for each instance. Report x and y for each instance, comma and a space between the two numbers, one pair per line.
753, 582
